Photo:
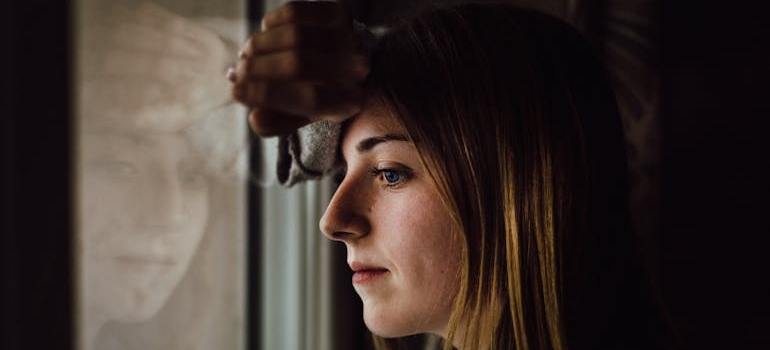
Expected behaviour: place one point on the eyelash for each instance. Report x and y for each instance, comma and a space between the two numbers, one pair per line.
403, 175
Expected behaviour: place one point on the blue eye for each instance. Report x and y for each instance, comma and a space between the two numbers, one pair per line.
391, 176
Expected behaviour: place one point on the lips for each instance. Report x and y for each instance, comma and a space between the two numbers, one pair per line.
364, 273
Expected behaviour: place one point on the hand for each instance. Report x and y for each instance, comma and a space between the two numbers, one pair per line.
305, 65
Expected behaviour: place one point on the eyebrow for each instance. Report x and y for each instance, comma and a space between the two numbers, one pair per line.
369, 143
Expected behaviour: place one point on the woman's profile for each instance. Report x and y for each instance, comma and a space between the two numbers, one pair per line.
483, 193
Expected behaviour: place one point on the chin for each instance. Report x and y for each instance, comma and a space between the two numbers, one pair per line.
387, 327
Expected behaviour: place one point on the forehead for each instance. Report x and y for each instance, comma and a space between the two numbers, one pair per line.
374, 120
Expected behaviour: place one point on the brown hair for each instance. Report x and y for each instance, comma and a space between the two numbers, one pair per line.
515, 119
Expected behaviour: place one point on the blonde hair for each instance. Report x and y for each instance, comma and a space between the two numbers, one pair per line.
537, 177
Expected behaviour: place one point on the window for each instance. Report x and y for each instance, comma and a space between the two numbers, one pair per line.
161, 157
132, 219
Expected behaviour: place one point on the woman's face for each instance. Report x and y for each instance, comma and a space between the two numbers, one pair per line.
401, 243
144, 203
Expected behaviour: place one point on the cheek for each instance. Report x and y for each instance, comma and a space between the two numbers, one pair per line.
428, 239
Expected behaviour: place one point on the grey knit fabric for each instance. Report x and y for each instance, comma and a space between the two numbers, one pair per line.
309, 153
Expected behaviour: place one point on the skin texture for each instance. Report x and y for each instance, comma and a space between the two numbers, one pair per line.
388, 214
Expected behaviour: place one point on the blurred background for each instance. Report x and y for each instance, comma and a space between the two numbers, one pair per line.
690, 77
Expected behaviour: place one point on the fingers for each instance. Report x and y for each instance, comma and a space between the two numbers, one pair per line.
301, 98
308, 13
299, 37
265, 122
306, 66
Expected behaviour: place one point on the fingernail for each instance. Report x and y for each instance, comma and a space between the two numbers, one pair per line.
231, 74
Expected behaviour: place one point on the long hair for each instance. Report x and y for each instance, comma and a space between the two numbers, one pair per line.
516, 122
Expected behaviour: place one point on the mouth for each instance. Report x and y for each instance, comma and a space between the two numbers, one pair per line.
363, 273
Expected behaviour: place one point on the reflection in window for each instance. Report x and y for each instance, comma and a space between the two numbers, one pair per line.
160, 183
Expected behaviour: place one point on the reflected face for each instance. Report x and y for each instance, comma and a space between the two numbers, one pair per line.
401, 243
144, 210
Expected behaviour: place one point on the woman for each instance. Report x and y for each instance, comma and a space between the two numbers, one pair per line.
484, 191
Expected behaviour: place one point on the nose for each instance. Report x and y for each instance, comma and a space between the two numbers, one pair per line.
346, 215
165, 203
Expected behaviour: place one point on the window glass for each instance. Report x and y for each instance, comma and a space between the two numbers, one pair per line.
160, 166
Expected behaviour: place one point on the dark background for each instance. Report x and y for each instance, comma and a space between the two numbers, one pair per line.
714, 225
36, 215
709, 242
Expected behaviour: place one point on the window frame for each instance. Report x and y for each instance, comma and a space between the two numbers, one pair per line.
36, 179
